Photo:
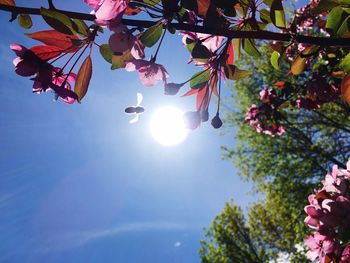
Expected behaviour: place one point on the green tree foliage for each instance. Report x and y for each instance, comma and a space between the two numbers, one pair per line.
229, 239
284, 169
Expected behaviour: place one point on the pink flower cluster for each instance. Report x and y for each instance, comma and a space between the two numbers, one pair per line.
122, 41
307, 22
263, 118
328, 213
45, 76
319, 92
108, 10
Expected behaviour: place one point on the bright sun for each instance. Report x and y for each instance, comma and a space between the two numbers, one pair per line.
168, 127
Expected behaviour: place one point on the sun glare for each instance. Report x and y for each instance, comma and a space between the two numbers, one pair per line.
168, 127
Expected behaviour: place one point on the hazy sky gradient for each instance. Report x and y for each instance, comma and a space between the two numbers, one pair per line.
78, 183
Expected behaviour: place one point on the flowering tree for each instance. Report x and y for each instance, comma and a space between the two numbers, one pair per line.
313, 42
311, 47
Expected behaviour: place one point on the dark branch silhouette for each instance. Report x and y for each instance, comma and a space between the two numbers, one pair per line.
261, 34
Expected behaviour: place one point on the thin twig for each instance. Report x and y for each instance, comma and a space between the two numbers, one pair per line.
51, 5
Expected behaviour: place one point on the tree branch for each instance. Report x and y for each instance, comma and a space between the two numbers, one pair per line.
262, 35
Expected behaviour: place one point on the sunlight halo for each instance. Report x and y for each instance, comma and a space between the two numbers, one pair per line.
168, 127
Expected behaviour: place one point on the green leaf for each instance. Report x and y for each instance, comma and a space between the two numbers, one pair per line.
58, 21
277, 14
234, 73
152, 35
268, 2
106, 52
83, 78
275, 60
265, 16
324, 5
250, 47
171, 29
200, 51
334, 18
151, 2
25, 21
237, 48
118, 61
345, 64
80, 27
344, 28
199, 79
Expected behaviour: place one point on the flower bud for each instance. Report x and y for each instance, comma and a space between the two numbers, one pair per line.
216, 122
192, 119
205, 115
172, 88
120, 42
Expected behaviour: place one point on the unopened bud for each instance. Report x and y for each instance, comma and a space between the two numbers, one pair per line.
216, 122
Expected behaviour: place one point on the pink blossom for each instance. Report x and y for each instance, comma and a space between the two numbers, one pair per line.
150, 72
252, 113
260, 119
313, 212
345, 172
334, 184
27, 63
345, 257
267, 94
122, 40
54, 79
320, 246
107, 10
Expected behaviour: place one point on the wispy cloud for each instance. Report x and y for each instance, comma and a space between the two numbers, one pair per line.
76, 239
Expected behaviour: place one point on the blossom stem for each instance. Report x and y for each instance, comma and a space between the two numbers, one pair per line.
219, 98
160, 43
261, 34
71, 69
71, 57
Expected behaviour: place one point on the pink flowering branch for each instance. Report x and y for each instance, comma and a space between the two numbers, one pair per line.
261, 34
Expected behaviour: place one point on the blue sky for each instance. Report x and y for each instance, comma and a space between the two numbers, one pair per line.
78, 183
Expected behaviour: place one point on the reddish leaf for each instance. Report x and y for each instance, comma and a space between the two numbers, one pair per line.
320, 196
8, 2
279, 84
190, 92
83, 78
46, 52
345, 88
230, 54
213, 83
202, 99
203, 6
55, 38
132, 11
